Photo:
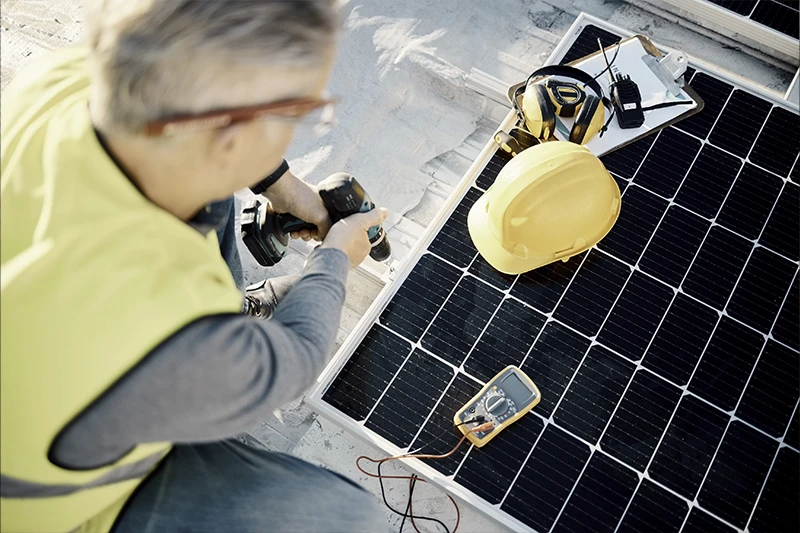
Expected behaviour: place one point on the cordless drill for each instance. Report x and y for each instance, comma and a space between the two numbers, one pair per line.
266, 232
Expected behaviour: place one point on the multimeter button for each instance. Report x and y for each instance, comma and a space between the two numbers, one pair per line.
496, 404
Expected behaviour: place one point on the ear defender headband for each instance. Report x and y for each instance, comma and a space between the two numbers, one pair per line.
541, 103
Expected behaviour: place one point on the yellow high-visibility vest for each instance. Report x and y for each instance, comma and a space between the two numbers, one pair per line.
94, 276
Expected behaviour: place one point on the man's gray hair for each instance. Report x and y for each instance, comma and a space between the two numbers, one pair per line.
151, 59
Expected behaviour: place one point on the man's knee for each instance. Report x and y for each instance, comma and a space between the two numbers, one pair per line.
319, 499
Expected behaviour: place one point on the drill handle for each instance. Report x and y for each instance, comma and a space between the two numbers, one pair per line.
290, 223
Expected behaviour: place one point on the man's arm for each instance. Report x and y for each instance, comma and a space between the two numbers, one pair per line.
218, 376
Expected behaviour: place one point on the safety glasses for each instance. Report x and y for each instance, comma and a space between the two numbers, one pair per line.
319, 113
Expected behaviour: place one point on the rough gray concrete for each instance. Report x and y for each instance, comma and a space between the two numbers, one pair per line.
409, 128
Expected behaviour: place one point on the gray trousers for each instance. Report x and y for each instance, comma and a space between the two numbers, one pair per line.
231, 487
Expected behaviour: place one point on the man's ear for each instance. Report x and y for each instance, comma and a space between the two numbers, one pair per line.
226, 143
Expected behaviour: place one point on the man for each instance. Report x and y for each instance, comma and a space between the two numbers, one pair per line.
127, 362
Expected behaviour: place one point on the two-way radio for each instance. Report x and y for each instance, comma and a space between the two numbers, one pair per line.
625, 96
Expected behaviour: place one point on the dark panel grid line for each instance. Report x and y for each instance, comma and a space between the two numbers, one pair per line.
558, 458
761, 289
776, 146
420, 297
508, 337
688, 446
544, 288
625, 161
674, 245
737, 474
717, 266
592, 293
771, 395
785, 329
665, 166
636, 427
777, 16
715, 94
781, 231
792, 436
700, 521
485, 272
681, 339
453, 241
636, 316
654, 509
600, 497
552, 363
489, 471
416, 389
640, 215
461, 320
593, 394
740, 122
709, 181
727, 364
750, 202
741, 7
776, 509
430, 438
364, 378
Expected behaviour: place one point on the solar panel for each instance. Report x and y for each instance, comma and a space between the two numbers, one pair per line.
780, 15
667, 356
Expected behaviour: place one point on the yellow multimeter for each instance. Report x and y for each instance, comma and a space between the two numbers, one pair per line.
502, 401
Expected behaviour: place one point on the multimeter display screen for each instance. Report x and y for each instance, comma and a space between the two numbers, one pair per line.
516, 389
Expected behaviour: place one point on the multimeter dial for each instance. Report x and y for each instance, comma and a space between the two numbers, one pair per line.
496, 404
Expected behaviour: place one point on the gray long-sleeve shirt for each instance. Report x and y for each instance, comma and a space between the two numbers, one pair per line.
217, 376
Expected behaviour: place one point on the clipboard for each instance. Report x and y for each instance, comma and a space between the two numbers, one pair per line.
629, 60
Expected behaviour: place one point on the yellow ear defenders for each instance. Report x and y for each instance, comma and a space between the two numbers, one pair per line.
542, 101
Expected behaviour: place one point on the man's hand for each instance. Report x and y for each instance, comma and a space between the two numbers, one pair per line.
350, 234
292, 195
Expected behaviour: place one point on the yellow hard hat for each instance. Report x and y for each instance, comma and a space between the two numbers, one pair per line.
552, 201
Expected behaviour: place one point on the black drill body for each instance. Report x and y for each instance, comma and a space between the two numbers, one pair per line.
266, 233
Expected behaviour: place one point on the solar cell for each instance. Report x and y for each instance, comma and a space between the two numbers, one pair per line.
667, 356
667, 162
727, 362
702, 522
600, 497
737, 473
489, 471
555, 357
506, 341
777, 16
640, 420
777, 507
636, 316
791, 437
772, 392
593, 394
654, 509
558, 458
681, 339
688, 446
750, 202
641, 211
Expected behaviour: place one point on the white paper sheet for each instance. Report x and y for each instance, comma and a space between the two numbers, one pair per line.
629, 61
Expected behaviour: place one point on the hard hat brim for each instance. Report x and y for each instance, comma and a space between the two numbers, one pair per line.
489, 246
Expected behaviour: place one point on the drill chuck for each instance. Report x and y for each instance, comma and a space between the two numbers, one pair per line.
381, 250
